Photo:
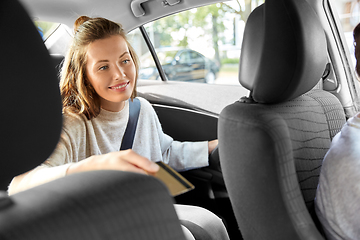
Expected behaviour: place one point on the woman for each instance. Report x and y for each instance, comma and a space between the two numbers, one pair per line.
337, 202
97, 80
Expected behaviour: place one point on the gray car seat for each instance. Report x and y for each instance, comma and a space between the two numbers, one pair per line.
93, 205
272, 143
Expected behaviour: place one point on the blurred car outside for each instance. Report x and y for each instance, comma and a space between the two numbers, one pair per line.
179, 64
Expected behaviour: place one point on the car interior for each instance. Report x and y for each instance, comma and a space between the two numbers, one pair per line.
91, 205
262, 178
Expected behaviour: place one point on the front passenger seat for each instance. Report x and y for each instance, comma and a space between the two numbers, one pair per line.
272, 143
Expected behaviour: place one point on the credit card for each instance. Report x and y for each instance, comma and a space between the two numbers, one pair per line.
176, 183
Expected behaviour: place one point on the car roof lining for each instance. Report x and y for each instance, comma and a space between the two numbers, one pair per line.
66, 11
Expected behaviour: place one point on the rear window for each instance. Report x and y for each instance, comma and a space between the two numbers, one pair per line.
45, 29
56, 36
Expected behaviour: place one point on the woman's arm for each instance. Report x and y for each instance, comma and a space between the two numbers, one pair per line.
212, 145
39, 175
179, 155
126, 160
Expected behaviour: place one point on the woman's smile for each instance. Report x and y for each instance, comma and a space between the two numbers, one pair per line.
120, 86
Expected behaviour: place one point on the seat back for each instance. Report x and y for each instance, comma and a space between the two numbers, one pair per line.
31, 114
90, 205
271, 144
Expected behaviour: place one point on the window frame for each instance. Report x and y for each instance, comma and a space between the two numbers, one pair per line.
348, 91
152, 51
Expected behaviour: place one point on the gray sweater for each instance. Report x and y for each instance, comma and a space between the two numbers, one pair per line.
338, 194
82, 138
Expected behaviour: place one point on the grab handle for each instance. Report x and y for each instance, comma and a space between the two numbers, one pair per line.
139, 11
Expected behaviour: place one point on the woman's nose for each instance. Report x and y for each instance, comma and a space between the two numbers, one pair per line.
119, 73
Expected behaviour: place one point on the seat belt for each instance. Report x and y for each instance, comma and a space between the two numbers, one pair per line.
128, 138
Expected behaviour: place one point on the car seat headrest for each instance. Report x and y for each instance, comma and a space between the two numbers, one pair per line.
31, 113
284, 51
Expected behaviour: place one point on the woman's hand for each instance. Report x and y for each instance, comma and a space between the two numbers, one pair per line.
126, 160
212, 145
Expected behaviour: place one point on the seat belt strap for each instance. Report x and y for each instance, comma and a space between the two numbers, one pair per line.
128, 138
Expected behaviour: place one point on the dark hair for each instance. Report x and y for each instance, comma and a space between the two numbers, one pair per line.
357, 47
77, 93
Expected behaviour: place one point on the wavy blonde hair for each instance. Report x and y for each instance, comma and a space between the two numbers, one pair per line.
78, 95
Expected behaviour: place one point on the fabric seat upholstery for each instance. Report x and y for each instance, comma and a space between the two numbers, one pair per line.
92, 205
271, 144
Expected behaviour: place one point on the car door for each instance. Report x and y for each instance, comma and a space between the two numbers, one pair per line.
198, 66
182, 69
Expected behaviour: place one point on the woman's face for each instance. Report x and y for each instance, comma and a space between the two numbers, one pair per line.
111, 71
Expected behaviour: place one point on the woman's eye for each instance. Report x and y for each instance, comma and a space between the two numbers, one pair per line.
126, 61
103, 67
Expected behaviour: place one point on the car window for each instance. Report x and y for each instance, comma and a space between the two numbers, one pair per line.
166, 57
45, 28
56, 36
199, 45
195, 57
147, 65
183, 58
